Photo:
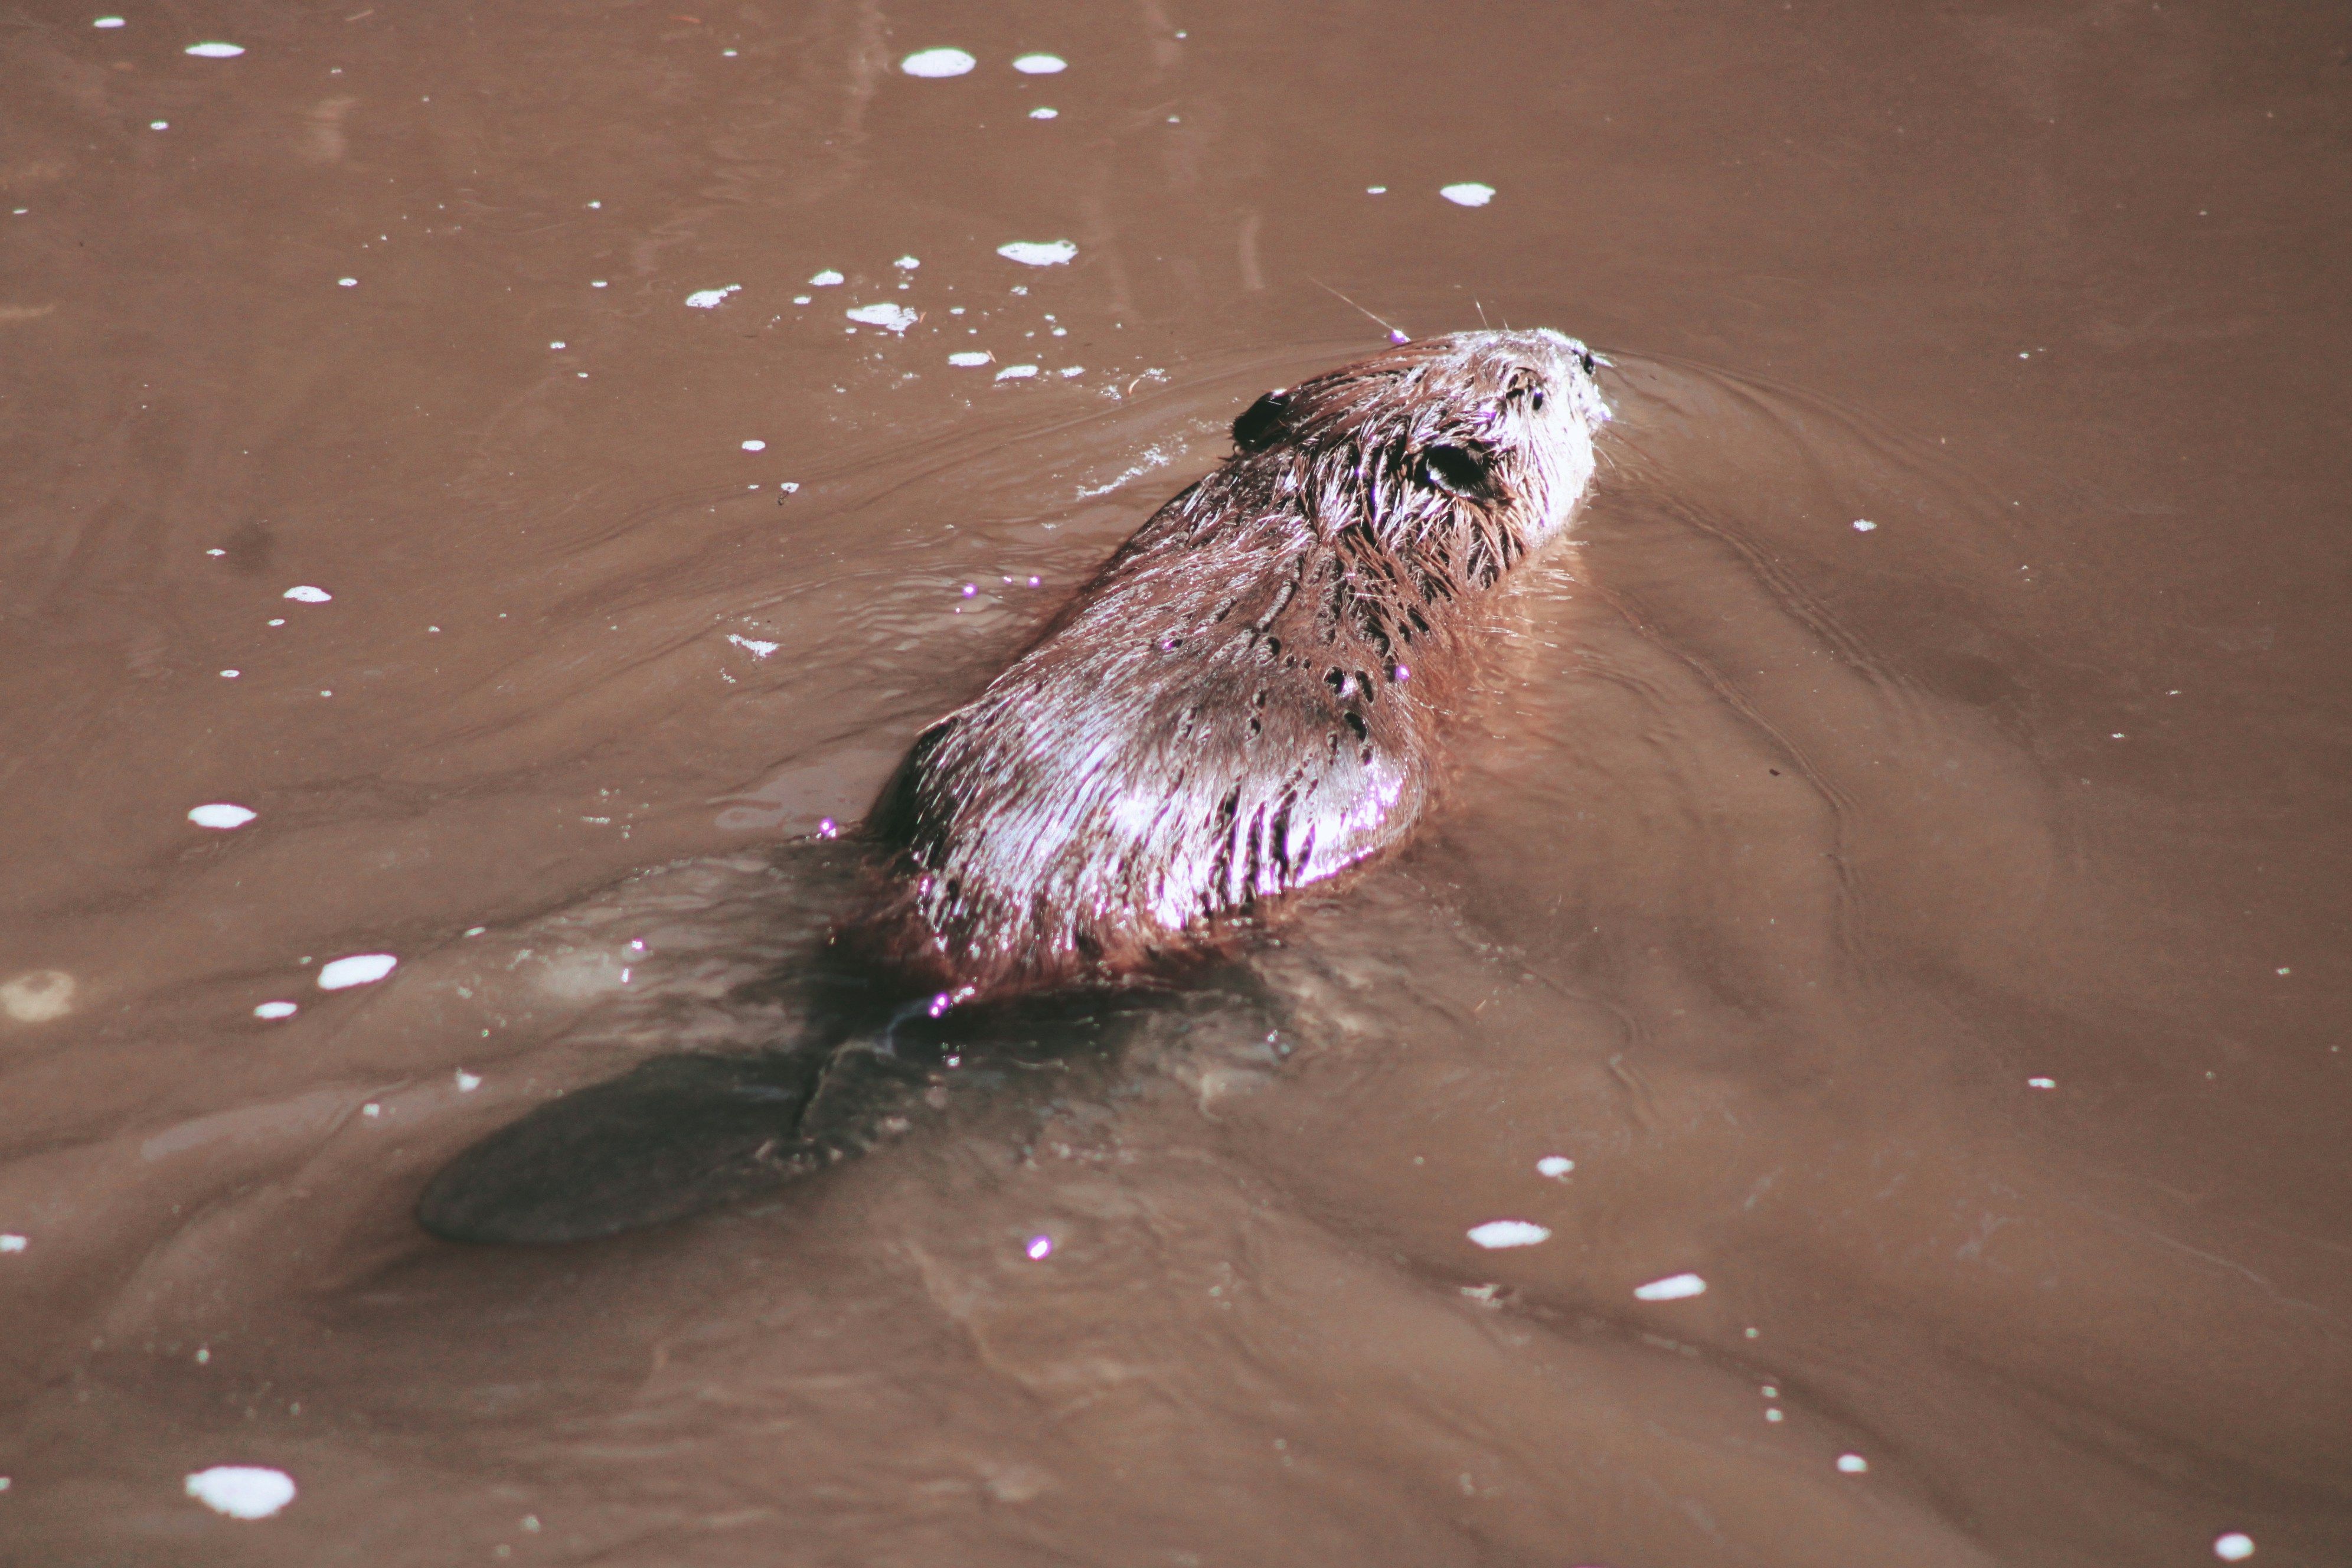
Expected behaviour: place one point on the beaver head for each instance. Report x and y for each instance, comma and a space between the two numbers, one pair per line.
1472, 450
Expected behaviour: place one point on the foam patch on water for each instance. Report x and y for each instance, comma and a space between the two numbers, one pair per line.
1470, 193
711, 299
1863, 525
1154, 457
467, 1082
907, 263
37, 996
1037, 253
890, 318
359, 969
755, 446
2234, 1547
106, 22
12, 1242
936, 63
221, 815
968, 359
216, 51
1042, 113
1853, 1464
1555, 1166
1040, 65
1498, 1233
242, 1492
2041, 1083
753, 645
276, 1010
1673, 1288
306, 595
1016, 373
826, 278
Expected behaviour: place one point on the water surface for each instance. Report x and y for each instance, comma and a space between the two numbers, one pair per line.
1898, 855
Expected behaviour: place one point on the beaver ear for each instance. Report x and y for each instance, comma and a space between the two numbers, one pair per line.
1261, 422
1458, 470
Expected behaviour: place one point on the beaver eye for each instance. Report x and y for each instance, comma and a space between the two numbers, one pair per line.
1261, 422
1456, 470
1536, 401
1584, 359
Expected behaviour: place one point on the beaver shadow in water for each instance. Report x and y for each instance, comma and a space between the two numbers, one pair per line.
684, 1133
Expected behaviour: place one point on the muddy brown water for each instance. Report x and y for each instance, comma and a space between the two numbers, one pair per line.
1932, 935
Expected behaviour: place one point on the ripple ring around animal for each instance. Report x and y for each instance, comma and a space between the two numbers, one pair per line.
1246, 698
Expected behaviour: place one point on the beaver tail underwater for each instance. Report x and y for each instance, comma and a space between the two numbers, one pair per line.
1247, 698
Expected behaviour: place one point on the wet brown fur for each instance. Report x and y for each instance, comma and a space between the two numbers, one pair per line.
1248, 697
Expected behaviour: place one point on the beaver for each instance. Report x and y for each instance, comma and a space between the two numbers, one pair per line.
1245, 698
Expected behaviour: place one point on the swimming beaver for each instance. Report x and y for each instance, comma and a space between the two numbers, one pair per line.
1245, 698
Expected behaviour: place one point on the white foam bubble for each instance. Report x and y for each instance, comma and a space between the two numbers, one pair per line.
106, 22
1508, 1233
37, 996
242, 1492
359, 969
1016, 373
12, 1242
216, 51
755, 446
968, 359
467, 1082
936, 63
2234, 1547
1468, 194
890, 318
711, 299
1072, 372
1038, 253
277, 1010
303, 593
1853, 1464
1040, 113
1863, 525
1555, 1165
826, 279
909, 262
221, 815
2041, 1083
1040, 65
1673, 1288
753, 645
347, 282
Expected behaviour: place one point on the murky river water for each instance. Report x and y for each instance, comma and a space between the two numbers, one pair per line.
1899, 856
